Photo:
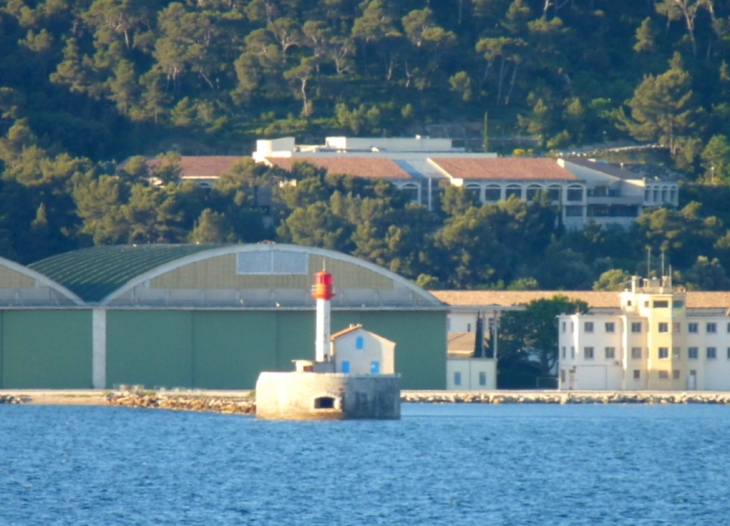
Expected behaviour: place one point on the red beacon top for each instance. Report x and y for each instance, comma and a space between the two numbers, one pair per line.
323, 286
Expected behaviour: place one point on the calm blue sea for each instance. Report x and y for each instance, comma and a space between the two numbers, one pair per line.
444, 464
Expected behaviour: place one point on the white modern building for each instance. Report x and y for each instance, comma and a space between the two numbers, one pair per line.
402, 161
652, 341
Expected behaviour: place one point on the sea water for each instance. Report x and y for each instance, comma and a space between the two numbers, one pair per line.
439, 465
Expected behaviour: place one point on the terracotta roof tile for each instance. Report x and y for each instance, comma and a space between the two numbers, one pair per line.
370, 167
595, 299
513, 168
203, 166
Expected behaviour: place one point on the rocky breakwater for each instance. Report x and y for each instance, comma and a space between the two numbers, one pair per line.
183, 402
10, 399
605, 397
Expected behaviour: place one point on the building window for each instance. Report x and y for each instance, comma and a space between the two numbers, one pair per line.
663, 327
728, 353
610, 353
664, 375
692, 327
588, 326
711, 353
457, 378
573, 211
563, 326
513, 190
693, 353
663, 353
532, 191
572, 327
588, 352
563, 353
575, 193
554, 193
482, 379
712, 328
562, 376
635, 326
637, 374
359, 343
676, 327
677, 304
492, 194
610, 326
468, 327
572, 353
675, 353
345, 366
628, 303
636, 353
661, 304
675, 374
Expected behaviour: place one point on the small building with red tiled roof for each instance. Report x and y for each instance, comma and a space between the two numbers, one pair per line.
204, 170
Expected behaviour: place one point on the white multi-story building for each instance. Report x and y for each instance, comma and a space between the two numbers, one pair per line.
652, 341
584, 190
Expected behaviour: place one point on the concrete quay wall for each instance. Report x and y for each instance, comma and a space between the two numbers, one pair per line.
566, 397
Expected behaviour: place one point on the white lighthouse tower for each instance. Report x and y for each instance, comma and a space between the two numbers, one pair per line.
353, 382
323, 292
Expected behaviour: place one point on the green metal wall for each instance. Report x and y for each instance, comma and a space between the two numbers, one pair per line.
48, 349
228, 349
52, 348
231, 348
149, 347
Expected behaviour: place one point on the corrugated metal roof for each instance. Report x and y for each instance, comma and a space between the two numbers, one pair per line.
94, 273
605, 168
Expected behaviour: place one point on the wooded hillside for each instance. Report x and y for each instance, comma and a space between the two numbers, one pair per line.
109, 78
85, 83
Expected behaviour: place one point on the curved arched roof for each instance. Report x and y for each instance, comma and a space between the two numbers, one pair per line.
11, 271
103, 274
94, 273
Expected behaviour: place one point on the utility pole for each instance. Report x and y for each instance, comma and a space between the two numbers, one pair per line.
486, 132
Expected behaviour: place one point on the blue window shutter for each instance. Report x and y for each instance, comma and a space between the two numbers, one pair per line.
374, 367
345, 367
359, 343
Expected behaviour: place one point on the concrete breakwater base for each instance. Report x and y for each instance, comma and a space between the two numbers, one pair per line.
327, 396
242, 402
566, 397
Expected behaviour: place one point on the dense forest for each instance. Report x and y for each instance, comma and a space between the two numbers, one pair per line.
87, 83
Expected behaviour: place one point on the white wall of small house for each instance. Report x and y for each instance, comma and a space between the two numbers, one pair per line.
471, 374
374, 349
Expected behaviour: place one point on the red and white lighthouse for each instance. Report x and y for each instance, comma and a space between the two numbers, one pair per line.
323, 292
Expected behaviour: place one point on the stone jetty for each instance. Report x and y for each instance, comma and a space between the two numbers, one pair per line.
243, 402
566, 397
183, 402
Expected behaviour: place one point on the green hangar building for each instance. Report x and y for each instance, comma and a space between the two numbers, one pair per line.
199, 316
